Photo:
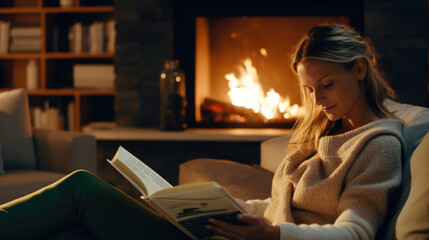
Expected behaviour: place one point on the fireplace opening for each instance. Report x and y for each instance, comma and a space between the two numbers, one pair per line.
237, 59
242, 69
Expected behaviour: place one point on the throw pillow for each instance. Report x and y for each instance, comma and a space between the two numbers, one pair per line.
416, 121
1, 161
17, 147
413, 221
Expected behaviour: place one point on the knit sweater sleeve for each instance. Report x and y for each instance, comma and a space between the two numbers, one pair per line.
353, 223
374, 175
257, 206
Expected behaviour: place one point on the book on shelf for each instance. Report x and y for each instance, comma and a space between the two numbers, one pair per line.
47, 119
4, 36
187, 206
93, 76
24, 47
25, 39
71, 122
32, 41
51, 116
75, 38
25, 31
110, 36
97, 37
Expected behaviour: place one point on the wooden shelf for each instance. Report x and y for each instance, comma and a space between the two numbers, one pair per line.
52, 55
71, 92
20, 10
98, 9
56, 68
20, 55
191, 134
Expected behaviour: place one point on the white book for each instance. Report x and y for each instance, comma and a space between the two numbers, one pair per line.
110, 33
26, 41
53, 118
25, 48
99, 76
37, 117
187, 206
100, 37
45, 120
78, 37
92, 38
96, 31
26, 31
71, 123
4, 36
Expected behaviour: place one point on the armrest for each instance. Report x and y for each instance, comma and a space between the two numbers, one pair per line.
63, 151
273, 151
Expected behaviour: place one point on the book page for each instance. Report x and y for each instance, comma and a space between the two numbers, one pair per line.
151, 180
190, 206
193, 215
187, 189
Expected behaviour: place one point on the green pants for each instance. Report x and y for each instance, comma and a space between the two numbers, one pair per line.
82, 201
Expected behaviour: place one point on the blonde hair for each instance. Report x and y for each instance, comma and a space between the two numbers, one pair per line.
342, 45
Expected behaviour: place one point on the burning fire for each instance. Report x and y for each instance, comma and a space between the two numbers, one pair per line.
246, 91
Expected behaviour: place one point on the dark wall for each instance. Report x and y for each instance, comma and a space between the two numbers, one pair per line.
399, 30
145, 37
144, 31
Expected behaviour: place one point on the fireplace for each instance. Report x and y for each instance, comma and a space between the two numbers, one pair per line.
237, 58
150, 32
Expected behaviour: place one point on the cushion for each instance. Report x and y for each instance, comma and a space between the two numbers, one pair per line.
413, 221
18, 183
1, 161
416, 121
273, 151
17, 149
240, 180
416, 126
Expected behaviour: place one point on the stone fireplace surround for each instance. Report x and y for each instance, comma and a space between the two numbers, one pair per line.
151, 31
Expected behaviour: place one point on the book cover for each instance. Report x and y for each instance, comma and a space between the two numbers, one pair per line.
4, 36
110, 36
76, 37
94, 76
26, 31
71, 122
187, 206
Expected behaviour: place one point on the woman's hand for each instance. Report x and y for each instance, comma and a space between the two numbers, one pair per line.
256, 227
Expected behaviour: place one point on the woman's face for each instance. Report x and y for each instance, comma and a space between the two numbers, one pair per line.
335, 89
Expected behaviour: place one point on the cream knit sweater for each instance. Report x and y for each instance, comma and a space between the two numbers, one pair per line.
341, 192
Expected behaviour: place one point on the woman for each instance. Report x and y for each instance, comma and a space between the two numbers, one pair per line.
344, 162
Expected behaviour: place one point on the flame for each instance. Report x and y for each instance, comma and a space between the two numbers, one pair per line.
246, 91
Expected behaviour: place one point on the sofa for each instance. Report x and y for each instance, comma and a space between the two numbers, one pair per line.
408, 211
33, 158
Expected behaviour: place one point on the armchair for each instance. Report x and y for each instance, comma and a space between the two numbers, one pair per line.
33, 158
407, 217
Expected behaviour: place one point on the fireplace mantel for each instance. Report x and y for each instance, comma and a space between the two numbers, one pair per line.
190, 134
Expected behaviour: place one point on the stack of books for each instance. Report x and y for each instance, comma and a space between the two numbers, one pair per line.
51, 116
25, 39
93, 76
97, 37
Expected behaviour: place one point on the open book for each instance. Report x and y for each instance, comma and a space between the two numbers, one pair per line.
187, 206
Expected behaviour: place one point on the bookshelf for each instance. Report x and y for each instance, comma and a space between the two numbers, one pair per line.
55, 58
